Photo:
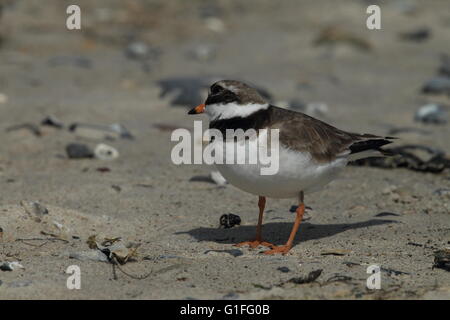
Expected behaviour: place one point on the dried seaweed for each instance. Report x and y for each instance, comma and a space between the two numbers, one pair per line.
442, 259
405, 158
117, 253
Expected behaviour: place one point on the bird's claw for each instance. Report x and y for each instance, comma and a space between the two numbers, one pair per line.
278, 249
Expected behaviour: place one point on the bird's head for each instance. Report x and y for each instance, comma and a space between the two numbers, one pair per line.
229, 99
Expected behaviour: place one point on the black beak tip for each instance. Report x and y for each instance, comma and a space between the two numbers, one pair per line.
192, 111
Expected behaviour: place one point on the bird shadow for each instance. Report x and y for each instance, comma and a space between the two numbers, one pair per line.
278, 232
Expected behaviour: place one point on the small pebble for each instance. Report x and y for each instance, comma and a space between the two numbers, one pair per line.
389, 190
116, 188
137, 50
431, 113
3, 98
231, 296
217, 177
90, 255
444, 69
233, 252
215, 24
58, 225
438, 85
77, 61
20, 284
417, 35
283, 269
100, 132
78, 151
123, 132
10, 266
442, 192
52, 122
202, 52
34, 208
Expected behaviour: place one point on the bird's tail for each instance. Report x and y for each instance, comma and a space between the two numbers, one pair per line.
370, 146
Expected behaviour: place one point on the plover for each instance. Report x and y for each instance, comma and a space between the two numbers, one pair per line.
311, 152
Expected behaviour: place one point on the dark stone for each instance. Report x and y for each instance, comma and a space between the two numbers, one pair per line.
79, 151
231, 296
311, 277
283, 269
418, 35
437, 85
444, 69
229, 220
52, 122
5, 267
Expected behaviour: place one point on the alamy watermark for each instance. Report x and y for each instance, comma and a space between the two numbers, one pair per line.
374, 280
74, 280
252, 147
373, 22
73, 21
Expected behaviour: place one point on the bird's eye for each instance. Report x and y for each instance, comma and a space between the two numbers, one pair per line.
216, 89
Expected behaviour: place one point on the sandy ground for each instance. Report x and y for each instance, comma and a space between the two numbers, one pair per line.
368, 216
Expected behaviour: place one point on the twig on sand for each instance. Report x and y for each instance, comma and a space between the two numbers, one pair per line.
46, 240
115, 264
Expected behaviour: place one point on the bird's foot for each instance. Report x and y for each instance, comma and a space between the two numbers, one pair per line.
279, 249
255, 243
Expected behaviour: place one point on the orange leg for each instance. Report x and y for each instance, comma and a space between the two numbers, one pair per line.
258, 241
298, 219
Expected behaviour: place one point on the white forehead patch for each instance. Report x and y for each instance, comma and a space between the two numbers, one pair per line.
232, 110
229, 87
232, 88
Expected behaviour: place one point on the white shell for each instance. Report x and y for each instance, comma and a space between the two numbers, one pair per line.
105, 152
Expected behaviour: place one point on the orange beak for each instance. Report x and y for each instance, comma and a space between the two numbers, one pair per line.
198, 109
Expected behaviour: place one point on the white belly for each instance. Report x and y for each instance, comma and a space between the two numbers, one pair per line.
296, 172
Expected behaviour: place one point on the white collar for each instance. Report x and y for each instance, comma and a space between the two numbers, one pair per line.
232, 110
